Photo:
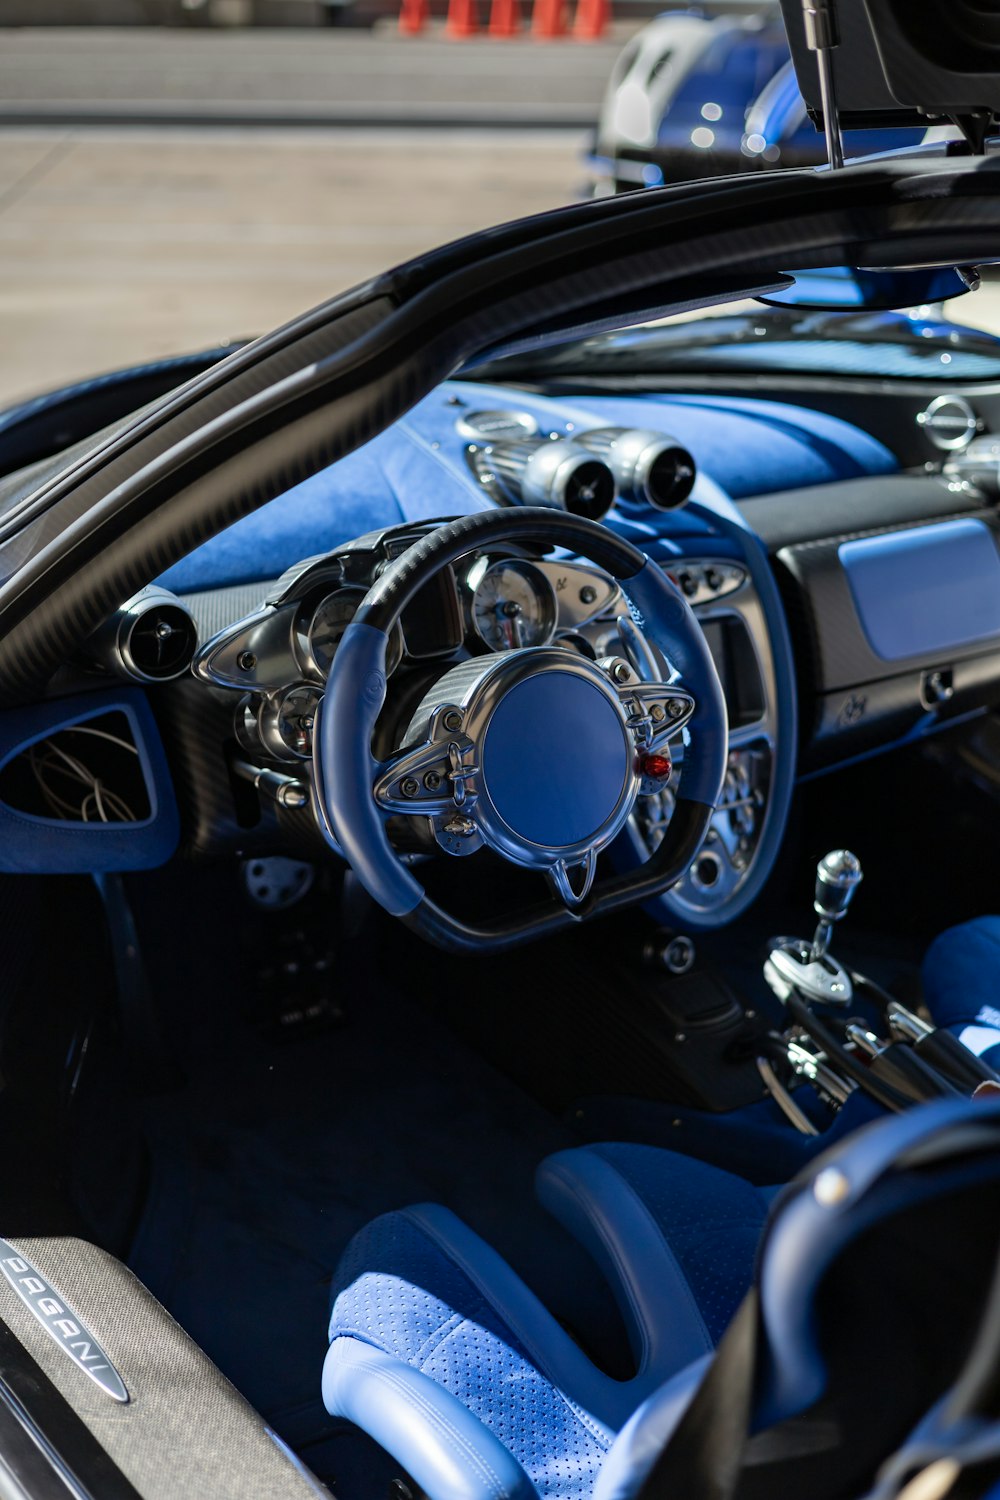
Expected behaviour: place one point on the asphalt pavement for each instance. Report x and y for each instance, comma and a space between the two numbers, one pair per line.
161, 190
120, 245
153, 75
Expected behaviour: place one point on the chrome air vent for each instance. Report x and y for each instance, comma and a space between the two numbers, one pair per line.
152, 638
949, 422
650, 468
545, 471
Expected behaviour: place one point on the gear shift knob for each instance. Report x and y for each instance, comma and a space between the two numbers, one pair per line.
838, 876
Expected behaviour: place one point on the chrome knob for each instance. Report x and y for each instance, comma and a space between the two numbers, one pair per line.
838, 876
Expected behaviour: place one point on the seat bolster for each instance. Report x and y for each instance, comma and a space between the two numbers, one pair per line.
548, 1346
442, 1445
592, 1200
645, 1434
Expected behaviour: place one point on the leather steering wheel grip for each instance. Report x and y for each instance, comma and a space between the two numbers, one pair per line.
345, 769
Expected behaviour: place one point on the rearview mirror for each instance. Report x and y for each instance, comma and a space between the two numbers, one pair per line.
839, 288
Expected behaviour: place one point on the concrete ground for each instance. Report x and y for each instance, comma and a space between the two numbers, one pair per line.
121, 245
144, 75
128, 240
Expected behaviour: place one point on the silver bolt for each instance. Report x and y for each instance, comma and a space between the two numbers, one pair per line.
433, 780
409, 786
292, 796
620, 672
462, 828
675, 708
588, 594
452, 719
246, 661
657, 712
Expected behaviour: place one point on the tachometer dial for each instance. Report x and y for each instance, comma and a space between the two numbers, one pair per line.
330, 619
514, 605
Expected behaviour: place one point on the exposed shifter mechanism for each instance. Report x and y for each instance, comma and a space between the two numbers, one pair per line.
808, 968
894, 1055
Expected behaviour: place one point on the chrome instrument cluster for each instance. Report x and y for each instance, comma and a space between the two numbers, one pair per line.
279, 658
491, 606
513, 605
320, 628
731, 615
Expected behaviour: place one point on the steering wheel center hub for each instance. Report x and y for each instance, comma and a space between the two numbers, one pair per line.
547, 761
556, 760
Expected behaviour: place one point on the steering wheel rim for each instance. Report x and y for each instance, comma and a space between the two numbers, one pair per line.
345, 770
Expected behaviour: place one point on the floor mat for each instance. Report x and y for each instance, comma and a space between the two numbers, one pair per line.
273, 1155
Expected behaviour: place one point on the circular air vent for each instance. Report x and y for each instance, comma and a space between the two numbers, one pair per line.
157, 639
589, 489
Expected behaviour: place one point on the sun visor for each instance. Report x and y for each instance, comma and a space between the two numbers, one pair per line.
902, 62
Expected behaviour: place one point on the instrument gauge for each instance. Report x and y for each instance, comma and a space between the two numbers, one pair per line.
325, 630
283, 722
514, 605
294, 718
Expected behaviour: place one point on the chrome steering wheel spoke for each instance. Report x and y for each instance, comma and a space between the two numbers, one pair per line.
572, 882
655, 711
430, 779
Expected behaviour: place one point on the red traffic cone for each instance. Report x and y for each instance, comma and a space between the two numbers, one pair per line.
548, 19
505, 18
593, 17
463, 18
413, 16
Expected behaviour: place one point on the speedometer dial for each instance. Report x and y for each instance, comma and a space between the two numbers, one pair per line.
514, 605
330, 619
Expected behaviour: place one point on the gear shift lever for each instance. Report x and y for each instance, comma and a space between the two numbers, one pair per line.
838, 876
807, 968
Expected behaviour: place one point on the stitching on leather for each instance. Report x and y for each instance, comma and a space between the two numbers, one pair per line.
434, 1340
460, 1260
455, 1439
578, 1412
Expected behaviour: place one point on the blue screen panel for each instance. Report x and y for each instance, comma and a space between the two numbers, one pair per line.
925, 590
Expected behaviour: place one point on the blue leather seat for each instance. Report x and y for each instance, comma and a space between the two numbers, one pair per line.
441, 1353
676, 1239
961, 975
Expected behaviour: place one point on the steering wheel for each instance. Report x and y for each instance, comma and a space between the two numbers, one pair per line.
537, 753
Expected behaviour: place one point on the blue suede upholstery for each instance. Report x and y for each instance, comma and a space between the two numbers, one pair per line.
417, 470
961, 976
51, 846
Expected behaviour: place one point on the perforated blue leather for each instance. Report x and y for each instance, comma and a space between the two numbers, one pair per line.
676, 1238
396, 1290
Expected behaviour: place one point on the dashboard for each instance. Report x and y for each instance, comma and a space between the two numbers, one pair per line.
848, 592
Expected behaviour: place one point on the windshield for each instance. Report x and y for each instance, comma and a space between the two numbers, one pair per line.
921, 344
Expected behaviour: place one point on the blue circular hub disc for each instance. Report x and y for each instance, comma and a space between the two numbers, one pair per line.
556, 757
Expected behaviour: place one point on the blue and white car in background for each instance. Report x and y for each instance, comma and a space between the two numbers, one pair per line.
697, 96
